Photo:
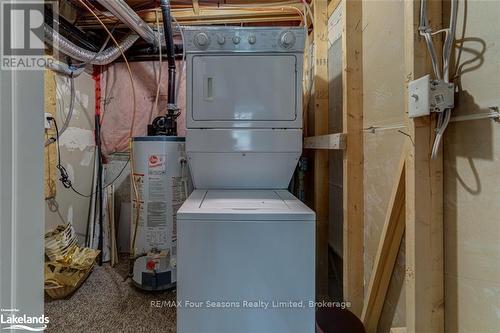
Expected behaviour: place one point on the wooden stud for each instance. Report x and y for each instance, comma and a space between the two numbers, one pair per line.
352, 78
50, 151
387, 252
424, 192
321, 197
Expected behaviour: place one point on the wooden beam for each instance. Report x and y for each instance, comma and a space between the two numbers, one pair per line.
424, 192
387, 252
214, 13
208, 16
352, 78
321, 197
196, 7
329, 141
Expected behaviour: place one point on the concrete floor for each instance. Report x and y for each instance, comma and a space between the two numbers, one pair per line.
105, 303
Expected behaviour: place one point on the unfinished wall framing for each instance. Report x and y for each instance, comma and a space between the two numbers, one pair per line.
414, 275
373, 42
352, 117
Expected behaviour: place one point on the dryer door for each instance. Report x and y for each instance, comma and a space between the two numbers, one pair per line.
244, 88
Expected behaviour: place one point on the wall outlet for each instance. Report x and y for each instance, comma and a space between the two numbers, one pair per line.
48, 124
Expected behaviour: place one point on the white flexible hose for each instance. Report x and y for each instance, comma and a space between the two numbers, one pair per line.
432, 52
308, 10
439, 133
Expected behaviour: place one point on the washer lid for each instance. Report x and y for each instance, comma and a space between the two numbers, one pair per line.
243, 200
244, 205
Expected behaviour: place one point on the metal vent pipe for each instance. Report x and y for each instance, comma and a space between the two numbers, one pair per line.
127, 15
169, 42
105, 57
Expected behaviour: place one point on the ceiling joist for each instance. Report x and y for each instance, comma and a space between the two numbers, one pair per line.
196, 14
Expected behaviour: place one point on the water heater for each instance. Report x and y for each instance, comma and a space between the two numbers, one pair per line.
160, 184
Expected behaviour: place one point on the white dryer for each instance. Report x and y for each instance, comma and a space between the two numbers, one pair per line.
244, 105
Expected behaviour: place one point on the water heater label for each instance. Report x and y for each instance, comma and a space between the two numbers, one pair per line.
157, 214
157, 164
157, 238
157, 189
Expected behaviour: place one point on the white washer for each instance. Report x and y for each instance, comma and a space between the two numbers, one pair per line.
243, 246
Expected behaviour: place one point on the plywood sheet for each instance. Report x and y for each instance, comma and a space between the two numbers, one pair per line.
471, 182
382, 151
383, 97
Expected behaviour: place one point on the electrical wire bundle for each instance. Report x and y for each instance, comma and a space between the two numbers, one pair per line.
63, 173
426, 31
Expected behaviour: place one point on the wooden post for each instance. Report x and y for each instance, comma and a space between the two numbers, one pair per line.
424, 192
50, 151
352, 78
320, 55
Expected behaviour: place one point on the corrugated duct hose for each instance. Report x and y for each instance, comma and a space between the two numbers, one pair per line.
102, 57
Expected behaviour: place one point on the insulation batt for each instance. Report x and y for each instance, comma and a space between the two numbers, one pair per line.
117, 102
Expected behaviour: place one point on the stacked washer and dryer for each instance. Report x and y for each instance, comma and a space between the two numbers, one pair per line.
246, 246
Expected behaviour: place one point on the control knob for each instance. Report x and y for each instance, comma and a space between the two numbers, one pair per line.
287, 39
201, 40
252, 39
221, 39
236, 40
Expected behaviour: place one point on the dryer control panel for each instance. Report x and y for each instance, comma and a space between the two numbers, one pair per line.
217, 39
